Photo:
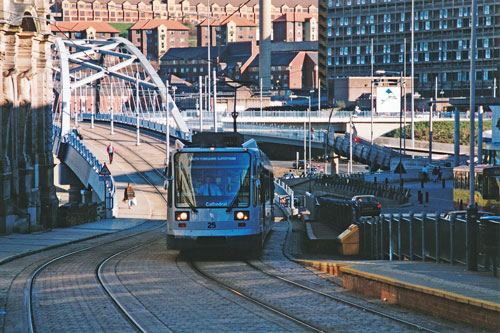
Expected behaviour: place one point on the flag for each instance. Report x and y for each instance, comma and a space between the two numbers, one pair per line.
355, 134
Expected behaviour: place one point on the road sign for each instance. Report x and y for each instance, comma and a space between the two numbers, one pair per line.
104, 171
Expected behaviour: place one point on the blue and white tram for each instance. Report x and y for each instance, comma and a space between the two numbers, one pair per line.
220, 194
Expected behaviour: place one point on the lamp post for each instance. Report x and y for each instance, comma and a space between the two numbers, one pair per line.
309, 116
371, 94
310, 132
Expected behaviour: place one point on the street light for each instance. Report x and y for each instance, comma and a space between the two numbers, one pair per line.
309, 115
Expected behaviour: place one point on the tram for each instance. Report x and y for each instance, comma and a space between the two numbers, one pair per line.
220, 194
487, 187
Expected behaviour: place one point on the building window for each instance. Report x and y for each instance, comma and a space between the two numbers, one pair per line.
459, 55
485, 75
486, 10
424, 77
487, 54
426, 56
488, 20
372, 29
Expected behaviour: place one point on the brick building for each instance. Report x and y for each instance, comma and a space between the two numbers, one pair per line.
226, 30
84, 30
295, 27
442, 36
154, 37
187, 11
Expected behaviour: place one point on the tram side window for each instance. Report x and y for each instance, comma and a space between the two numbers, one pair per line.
479, 183
492, 189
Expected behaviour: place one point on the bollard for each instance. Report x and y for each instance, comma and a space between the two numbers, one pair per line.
470, 236
386, 181
375, 179
444, 183
427, 197
420, 197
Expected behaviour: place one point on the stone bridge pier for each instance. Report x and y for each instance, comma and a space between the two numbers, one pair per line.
28, 199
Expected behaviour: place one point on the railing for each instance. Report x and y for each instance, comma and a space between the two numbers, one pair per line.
415, 237
89, 157
289, 198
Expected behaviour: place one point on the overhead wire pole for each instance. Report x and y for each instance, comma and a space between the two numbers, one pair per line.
111, 130
167, 129
412, 73
200, 79
137, 131
371, 93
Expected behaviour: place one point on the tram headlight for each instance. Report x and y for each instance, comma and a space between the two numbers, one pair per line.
241, 215
182, 216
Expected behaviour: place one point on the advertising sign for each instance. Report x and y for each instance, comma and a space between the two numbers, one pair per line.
388, 99
495, 124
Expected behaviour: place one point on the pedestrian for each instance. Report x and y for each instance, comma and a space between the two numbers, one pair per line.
435, 174
440, 173
424, 173
129, 196
111, 150
79, 132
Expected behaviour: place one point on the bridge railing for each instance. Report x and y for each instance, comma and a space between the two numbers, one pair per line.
72, 140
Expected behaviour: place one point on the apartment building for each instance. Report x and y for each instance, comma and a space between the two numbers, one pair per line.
226, 30
181, 10
295, 27
442, 34
154, 37
84, 30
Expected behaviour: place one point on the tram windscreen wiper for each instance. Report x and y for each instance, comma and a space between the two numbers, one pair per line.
188, 200
231, 205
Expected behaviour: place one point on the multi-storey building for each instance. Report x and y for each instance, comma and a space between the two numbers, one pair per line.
442, 34
226, 30
295, 27
154, 37
187, 11
84, 30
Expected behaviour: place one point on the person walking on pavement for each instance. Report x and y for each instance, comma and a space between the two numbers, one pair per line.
424, 173
129, 196
110, 149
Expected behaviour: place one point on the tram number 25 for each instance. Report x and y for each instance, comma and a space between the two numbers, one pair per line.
211, 225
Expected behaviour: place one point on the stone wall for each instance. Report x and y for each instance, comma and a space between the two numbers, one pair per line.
27, 193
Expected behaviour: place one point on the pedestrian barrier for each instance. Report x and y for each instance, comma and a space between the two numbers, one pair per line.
354, 183
425, 237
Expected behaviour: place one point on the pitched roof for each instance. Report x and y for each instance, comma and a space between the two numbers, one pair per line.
221, 3
239, 21
67, 26
193, 53
293, 17
277, 59
155, 23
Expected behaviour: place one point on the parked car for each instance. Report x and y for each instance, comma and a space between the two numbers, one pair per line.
462, 214
368, 205
300, 165
289, 175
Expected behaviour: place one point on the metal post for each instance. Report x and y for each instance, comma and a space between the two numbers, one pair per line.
209, 44
91, 106
371, 94
77, 100
260, 97
412, 73
167, 126
305, 154
480, 134
412, 218
404, 96
399, 235
436, 232
391, 219
200, 79
456, 137
310, 134
495, 87
424, 216
470, 234
111, 130
349, 168
400, 135
215, 102
137, 131
452, 238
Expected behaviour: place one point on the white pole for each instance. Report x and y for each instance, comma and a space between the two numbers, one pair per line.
215, 102
137, 131
349, 168
261, 97
412, 73
305, 150
167, 132
91, 105
371, 94
200, 79
495, 87
404, 96
310, 155
209, 44
111, 130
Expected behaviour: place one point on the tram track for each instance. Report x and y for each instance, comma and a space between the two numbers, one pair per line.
29, 301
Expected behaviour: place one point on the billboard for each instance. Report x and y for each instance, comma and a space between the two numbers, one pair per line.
388, 99
495, 124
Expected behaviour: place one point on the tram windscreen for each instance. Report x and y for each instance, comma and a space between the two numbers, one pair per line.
212, 179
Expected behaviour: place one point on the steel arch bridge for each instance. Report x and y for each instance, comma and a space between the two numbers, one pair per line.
107, 76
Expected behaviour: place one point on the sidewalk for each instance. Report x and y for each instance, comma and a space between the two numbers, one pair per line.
18, 245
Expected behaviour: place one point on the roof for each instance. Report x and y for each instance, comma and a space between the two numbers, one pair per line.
155, 23
239, 21
294, 46
277, 59
222, 3
192, 53
293, 17
67, 26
